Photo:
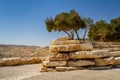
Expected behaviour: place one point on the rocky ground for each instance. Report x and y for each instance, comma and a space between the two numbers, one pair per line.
31, 72
7, 51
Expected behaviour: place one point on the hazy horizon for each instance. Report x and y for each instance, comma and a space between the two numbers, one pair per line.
22, 21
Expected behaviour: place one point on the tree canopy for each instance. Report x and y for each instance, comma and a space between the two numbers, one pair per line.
102, 31
69, 23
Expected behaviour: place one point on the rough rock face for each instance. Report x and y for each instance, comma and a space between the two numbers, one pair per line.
89, 54
86, 47
31, 60
18, 61
65, 48
115, 54
64, 38
58, 56
80, 63
66, 42
117, 60
71, 47
68, 68
54, 63
11, 61
105, 61
67, 55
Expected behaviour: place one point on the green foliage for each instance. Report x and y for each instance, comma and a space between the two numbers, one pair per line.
67, 22
102, 31
49, 24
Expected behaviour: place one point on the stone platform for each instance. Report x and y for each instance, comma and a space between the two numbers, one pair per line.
67, 55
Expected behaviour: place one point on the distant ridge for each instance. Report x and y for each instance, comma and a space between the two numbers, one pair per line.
7, 45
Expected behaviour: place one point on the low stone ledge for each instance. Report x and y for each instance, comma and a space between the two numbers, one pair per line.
31, 60
105, 61
117, 61
89, 54
54, 63
58, 56
111, 49
51, 70
86, 47
64, 38
115, 54
19, 61
64, 48
10, 61
79, 63
68, 68
66, 42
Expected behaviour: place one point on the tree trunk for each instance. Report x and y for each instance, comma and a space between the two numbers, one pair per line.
77, 35
67, 33
84, 34
72, 34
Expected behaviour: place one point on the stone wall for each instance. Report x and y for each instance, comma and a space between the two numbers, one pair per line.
66, 55
110, 46
19, 61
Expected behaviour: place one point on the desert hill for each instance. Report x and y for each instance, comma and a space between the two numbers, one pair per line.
22, 51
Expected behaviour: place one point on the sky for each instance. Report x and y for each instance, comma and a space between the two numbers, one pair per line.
22, 21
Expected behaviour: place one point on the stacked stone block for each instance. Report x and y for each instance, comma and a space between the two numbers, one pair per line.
110, 46
67, 55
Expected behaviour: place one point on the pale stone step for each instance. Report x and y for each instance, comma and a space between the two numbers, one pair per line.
71, 47
51, 70
115, 54
64, 38
117, 61
68, 68
110, 49
105, 61
58, 56
89, 54
10, 61
54, 63
80, 63
64, 42
86, 47
64, 48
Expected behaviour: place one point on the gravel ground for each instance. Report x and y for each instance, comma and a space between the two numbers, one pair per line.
31, 72
19, 72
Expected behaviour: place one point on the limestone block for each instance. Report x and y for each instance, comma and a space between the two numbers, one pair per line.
54, 63
105, 61
86, 47
80, 63
1, 62
100, 45
111, 49
44, 66
51, 69
31, 60
66, 42
11, 61
58, 56
65, 48
117, 61
89, 54
64, 38
68, 68
115, 54
114, 46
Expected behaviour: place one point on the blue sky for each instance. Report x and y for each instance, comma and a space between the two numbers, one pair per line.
22, 21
